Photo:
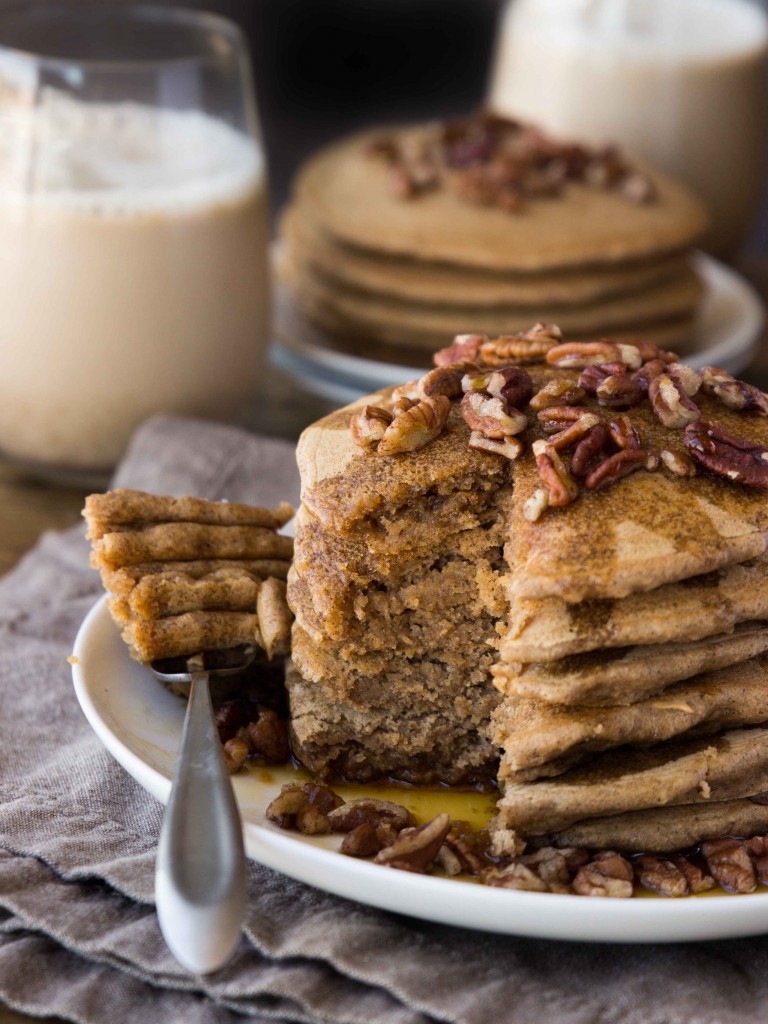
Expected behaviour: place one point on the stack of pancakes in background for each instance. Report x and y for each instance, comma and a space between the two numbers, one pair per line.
635, 664
395, 242
187, 575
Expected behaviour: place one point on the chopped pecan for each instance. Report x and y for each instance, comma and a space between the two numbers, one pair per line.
647, 372
619, 391
589, 449
505, 842
574, 432
415, 428
729, 862
415, 849
462, 847
445, 380
578, 354
615, 467
368, 425
623, 433
688, 378
365, 840
321, 797
670, 403
551, 866
236, 753
535, 506
591, 377
715, 448
275, 618
311, 821
509, 447
464, 347
528, 347
284, 808
269, 738
514, 876
733, 393
661, 876
448, 861
758, 851
678, 463
653, 462
609, 874
510, 383
491, 416
697, 880
557, 417
349, 815
230, 717
560, 391
561, 486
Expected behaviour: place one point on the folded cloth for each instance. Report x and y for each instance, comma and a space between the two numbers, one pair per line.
78, 932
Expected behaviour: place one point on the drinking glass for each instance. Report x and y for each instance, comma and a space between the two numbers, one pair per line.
133, 228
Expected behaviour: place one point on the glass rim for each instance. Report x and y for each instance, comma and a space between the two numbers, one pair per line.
147, 13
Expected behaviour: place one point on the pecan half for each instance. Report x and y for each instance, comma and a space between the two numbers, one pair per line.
623, 433
408, 390
415, 849
578, 354
551, 866
670, 403
560, 485
445, 380
491, 416
758, 851
535, 506
615, 467
514, 876
284, 808
619, 391
558, 392
647, 372
688, 378
591, 377
729, 862
463, 347
712, 446
609, 874
557, 417
403, 404
509, 447
589, 449
697, 880
268, 736
648, 352
733, 393
661, 876
510, 383
678, 463
353, 813
415, 428
574, 432
528, 347
311, 821
366, 840
368, 425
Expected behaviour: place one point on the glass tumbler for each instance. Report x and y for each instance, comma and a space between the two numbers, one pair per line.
133, 228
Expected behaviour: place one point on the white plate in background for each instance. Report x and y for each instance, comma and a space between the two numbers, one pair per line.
140, 722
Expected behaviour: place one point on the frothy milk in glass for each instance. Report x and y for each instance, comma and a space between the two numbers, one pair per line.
681, 82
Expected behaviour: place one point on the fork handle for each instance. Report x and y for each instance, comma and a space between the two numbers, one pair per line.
200, 877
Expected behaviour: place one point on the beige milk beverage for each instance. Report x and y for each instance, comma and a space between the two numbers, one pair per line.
133, 274
680, 82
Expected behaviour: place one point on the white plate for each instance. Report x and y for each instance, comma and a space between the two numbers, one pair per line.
139, 722
726, 331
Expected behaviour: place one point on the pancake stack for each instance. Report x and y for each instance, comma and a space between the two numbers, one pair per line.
186, 575
394, 242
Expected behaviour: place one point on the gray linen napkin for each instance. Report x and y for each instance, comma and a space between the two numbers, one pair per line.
78, 932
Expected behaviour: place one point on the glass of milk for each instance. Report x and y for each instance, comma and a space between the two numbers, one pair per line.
679, 82
133, 228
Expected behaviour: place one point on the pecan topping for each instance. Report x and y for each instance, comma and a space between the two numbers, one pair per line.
670, 402
556, 417
509, 447
512, 384
416, 848
378, 812
368, 425
535, 507
623, 434
558, 392
615, 467
735, 394
578, 354
730, 865
403, 405
686, 377
574, 432
709, 443
236, 752
268, 737
416, 427
551, 866
661, 876
529, 347
464, 347
561, 486
697, 880
311, 821
649, 352
410, 390
491, 416
592, 377
365, 840
445, 379
619, 391
514, 876
647, 372
459, 844
589, 449
678, 463
609, 874
758, 851
284, 808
